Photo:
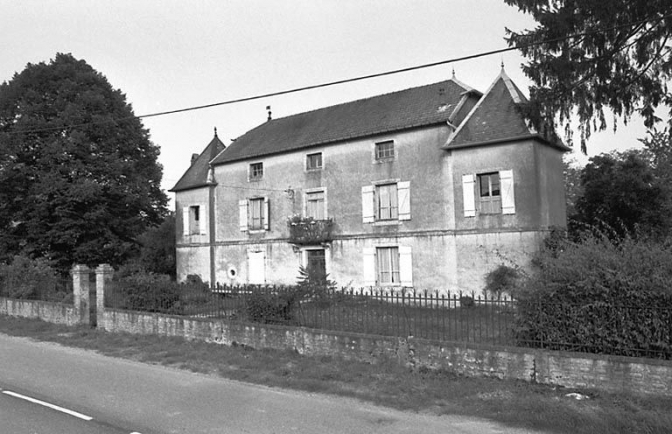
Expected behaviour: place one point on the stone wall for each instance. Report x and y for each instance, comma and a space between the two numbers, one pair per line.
56, 313
614, 374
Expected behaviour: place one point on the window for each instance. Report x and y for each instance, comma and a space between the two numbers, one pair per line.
490, 193
386, 202
385, 150
493, 192
256, 171
254, 214
194, 220
388, 266
314, 161
315, 205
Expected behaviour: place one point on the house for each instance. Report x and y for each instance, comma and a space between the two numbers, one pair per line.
429, 187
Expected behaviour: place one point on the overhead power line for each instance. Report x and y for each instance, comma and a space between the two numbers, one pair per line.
349, 80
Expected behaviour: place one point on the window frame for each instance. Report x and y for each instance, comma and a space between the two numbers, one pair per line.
256, 171
307, 201
250, 216
392, 205
388, 256
319, 167
387, 154
490, 199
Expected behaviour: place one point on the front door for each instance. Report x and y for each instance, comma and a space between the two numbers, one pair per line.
316, 263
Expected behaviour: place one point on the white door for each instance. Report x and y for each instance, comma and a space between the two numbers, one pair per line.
256, 267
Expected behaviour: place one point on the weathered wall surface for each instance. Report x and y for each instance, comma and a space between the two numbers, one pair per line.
615, 374
56, 313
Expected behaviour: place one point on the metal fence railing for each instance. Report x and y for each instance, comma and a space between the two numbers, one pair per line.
402, 313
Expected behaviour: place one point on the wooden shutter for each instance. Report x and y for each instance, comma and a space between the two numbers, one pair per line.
203, 223
369, 262
468, 182
185, 221
405, 266
267, 214
404, 200
256, 267
508, 197
242, 214
367, 203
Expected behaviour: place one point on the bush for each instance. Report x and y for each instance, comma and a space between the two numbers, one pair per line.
145, 292
502, 280
600, 296
32, 279
268, 307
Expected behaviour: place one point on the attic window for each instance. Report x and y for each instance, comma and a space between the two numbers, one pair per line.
256, 171
314, 161
385, 151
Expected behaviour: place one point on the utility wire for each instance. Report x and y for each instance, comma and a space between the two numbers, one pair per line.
349, 80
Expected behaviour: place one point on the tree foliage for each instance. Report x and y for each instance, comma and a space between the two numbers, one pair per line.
79, 178
588, 56
623, 194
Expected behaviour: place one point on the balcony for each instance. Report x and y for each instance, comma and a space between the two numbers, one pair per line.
306, 230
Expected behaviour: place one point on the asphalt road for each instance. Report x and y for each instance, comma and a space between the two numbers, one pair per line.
121, 396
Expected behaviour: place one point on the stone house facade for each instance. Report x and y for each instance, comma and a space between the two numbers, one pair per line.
430, 187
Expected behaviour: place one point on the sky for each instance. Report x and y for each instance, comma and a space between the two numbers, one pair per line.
167, 55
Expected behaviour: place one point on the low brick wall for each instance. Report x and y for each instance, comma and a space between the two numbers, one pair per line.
56, 313
614, 374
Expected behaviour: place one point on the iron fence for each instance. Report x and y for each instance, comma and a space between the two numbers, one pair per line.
440, 316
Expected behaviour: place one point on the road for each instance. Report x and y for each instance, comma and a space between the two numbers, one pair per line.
121, 396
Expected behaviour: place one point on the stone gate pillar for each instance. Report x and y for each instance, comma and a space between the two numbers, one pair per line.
103, 274
80, 287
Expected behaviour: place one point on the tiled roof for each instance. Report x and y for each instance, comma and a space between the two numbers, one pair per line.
415, 107
495, 117
197, 174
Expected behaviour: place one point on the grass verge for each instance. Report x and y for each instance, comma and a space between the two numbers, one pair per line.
514, 403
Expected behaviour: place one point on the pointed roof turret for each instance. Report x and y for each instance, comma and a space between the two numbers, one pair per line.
197, 174
495, 118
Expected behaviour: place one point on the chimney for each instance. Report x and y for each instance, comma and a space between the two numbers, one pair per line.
194, 157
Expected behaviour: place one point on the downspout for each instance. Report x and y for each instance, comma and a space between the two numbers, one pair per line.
211, 228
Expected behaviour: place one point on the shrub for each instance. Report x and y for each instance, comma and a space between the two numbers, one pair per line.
32, 279
145, 292
270, 307
599, 295
501, 280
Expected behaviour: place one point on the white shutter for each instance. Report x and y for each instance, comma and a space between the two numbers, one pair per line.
242, 214
405, 266
367, 203
185, 221
508, 197
369, 261
203, 224
468, 182
267, 214
404, 200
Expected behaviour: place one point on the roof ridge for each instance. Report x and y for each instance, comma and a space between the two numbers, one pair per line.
465, 88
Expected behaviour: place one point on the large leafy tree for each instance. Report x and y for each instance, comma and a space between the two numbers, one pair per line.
79, 177
622, 195
590, 56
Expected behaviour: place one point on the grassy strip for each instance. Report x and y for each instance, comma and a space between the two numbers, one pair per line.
515, 403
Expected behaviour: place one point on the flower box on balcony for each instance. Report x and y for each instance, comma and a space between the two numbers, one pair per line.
306, 230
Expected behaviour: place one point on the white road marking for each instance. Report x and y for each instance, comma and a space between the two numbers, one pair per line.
46, 404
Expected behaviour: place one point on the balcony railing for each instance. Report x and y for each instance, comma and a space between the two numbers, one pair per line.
309, 231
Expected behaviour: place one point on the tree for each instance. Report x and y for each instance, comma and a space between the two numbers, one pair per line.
79, 178
157, 254
589, 56
622, 192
